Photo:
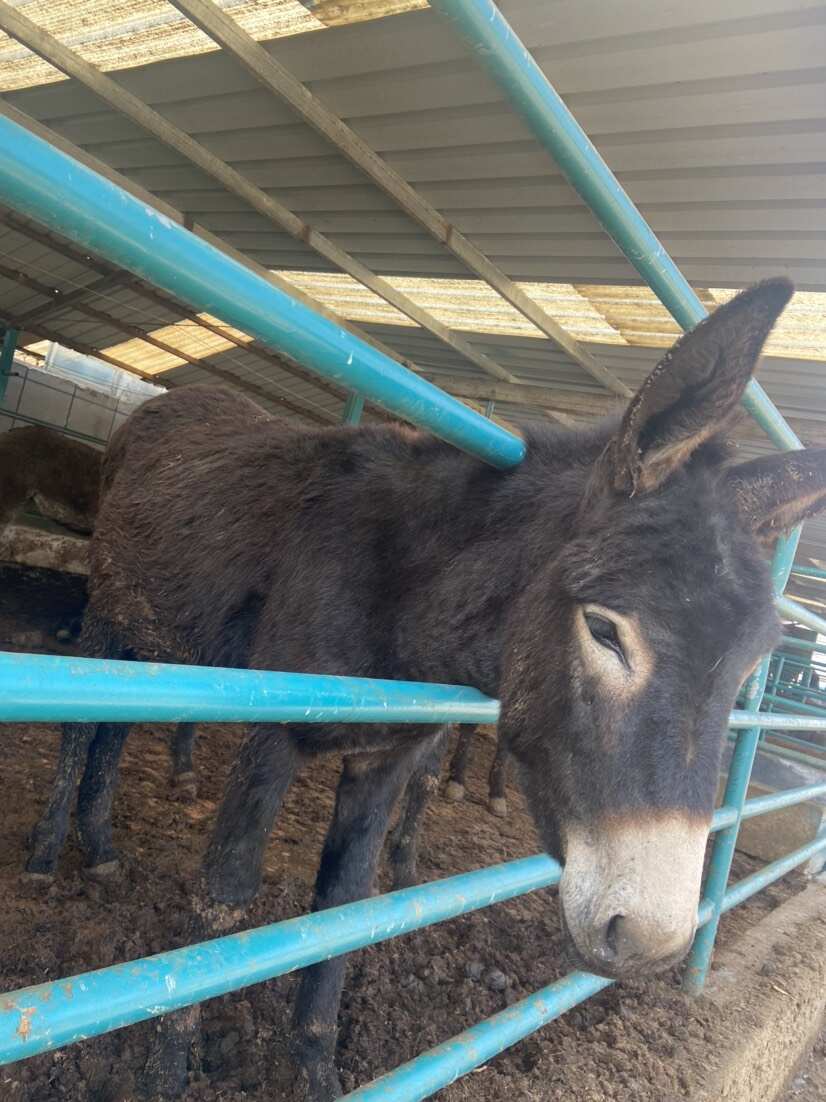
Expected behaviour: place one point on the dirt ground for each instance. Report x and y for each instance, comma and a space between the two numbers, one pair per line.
631, 1044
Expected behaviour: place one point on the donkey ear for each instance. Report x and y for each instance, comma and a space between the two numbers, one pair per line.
776, 492
694, 390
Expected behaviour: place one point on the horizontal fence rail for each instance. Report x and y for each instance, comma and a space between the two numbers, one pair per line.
46, 184
46, 688
51, 1015
428, 1073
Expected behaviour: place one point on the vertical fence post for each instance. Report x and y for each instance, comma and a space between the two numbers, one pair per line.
497, 47
737, 785
7, 350
352, 409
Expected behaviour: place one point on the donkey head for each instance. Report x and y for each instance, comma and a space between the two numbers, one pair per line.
627, 649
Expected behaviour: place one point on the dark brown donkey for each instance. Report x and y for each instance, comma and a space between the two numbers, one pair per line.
61, 476
610, 590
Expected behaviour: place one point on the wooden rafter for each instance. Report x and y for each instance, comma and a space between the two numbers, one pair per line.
273, 76
205, 365
114, 95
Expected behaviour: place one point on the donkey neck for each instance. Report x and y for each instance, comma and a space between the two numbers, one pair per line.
469, 545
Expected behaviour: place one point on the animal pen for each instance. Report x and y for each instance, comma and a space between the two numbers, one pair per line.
40, 181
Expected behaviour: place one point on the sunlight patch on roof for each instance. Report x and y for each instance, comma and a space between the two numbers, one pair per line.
467, 304
123, 34
590, 313
185, 336
595, 313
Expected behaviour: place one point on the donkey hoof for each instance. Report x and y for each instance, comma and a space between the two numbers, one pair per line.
103, 873
499, 807
37, 881
186, 785
454, 792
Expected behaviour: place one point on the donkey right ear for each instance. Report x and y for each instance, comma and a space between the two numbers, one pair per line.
692, 393
777, 492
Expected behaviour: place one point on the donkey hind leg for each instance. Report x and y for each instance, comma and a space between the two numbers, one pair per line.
369, 787
455, 790
403, 842
95, 798
183, 772
49, 834
230, 876
497, 780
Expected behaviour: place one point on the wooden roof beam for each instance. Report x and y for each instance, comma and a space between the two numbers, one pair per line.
52, 50
272, 75
146, 290
205, 365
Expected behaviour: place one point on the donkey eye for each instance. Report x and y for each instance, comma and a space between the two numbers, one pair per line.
605, 633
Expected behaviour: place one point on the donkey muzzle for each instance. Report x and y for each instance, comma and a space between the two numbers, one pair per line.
631, 889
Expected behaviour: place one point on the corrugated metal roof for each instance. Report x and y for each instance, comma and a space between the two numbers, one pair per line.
123, 34
714, 119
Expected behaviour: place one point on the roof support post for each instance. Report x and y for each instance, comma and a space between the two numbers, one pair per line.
7, 350
352, 409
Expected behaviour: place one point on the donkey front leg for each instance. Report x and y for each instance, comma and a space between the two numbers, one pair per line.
183, 772
405, 836
230, 877
455, 790
49, 835
369, 787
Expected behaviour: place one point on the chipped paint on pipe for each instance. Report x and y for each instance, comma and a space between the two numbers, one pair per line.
50, 1015
46, 688
41, 1018
45, 184
423, 1076
41, 688
433, 1070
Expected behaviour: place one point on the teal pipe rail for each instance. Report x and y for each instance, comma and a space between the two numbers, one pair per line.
45, 688
48, 688
428, 1073
50, 1015
794, 611
45, 184
737, 782
795, 705
810, 572
7, 351
497, 48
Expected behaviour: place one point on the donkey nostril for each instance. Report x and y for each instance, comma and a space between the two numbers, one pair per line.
612, 932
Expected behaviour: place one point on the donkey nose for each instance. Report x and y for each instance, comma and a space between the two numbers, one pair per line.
626, 944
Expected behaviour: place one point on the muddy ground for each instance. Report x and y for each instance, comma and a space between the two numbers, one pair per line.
631, 1044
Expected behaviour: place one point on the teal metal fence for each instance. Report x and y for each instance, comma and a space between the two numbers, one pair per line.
43, 183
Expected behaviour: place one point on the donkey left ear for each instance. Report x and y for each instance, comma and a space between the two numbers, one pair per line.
693, 392
777, 492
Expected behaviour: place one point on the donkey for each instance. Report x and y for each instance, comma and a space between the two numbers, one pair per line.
61, 476
610, 590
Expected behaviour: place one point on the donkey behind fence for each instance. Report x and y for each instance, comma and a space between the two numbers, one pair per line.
610, 590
